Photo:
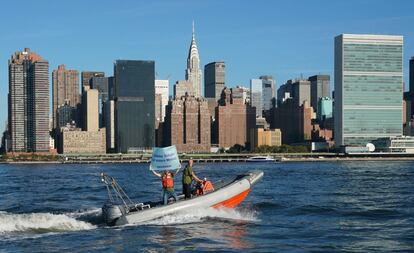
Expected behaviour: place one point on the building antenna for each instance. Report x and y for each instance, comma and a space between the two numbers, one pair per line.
193, 29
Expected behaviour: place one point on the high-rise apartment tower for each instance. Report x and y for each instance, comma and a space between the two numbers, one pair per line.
28, 102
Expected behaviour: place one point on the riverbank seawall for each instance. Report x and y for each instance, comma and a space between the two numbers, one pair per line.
215, 158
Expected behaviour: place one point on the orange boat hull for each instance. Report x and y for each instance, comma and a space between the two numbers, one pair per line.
234, 201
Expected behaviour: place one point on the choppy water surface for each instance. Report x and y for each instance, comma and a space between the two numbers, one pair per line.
298, 207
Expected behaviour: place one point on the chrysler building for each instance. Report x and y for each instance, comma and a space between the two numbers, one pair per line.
193, 72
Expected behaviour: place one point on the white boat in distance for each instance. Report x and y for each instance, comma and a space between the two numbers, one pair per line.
260, 159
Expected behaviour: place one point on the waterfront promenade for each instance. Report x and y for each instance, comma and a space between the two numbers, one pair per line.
206, 158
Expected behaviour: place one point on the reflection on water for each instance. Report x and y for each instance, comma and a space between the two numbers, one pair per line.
210, 233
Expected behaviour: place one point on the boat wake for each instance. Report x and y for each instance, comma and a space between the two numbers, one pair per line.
39, 223
202, 215
35, 224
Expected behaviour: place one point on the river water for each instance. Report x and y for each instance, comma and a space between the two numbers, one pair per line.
297, 207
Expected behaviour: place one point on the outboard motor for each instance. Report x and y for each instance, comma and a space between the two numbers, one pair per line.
118, 201
111, 213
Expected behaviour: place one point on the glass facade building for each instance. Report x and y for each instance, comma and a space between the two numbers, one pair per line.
324, 108
134, 105
368, 88
102, 85
256, 96
262, 94
269, 92
65, 114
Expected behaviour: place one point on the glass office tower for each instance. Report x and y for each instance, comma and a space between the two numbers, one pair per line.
269, 92
134, 105
368, 88
256, 96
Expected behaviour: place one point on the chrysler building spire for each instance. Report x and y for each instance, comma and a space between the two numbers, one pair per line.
193, 30
193, 72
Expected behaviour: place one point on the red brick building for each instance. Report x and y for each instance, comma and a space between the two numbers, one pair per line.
234, 119
187, 125
293, 120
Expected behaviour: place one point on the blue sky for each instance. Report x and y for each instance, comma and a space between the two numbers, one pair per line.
285, 39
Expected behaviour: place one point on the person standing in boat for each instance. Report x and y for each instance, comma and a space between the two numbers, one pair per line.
167, 179
188, 177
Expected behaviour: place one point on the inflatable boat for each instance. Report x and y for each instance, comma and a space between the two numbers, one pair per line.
120, 210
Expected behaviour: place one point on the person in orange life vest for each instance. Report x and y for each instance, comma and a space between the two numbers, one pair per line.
167, 179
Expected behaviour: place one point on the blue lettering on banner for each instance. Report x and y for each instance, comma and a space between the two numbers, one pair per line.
165, 158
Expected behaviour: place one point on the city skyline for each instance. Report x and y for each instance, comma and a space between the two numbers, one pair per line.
280, 54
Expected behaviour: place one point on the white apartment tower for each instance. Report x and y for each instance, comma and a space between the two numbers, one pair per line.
162, 87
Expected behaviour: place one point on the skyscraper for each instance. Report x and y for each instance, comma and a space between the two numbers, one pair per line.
101, 84
368, 88
134, 105
244, 93
193, 72
214, 79
295, 121
92, 110
28, 102
188, 124
301, 91
411, 76
65, 114
262, 94
319, 88
110, 125
256, 96
182, 88
324, 109
411, 92
234, 119
65, 90
158, 110
162, 87
284, 92
268, 91
86, 77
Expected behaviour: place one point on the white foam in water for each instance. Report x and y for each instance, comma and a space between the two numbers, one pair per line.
198, 215
40, 222
86, 212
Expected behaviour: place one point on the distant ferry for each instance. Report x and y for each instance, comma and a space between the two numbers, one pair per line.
260, 159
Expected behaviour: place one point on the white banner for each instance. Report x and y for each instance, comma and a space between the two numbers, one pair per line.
165, 159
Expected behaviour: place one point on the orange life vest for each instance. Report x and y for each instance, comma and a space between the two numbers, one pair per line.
208, 187
205, 187
167, 181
